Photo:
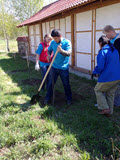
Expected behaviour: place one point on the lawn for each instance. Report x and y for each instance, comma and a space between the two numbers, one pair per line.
12, 46
52, 132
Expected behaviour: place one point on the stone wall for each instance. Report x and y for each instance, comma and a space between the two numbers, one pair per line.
23, 47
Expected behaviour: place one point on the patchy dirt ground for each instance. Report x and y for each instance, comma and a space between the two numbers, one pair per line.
60, 99
19, 70
31, 81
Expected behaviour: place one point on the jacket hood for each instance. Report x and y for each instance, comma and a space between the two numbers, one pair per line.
118, 36
108, 47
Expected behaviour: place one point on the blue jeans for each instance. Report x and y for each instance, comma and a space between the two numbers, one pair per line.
64, 75
48, 79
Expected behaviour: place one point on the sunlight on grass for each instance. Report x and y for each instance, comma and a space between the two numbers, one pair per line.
46, 132
12, 46
22, 99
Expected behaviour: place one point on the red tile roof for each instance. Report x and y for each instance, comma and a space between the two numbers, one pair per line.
24, 38
53, 9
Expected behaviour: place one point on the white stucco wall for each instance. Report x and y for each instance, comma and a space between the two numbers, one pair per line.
34, 35
84, 21
52, 24
43, 29
62, 26
68, 32
68, 36
37, 29
83, 61
31, 37
47, 28
57, 24
83, 39
68, 24
108, 15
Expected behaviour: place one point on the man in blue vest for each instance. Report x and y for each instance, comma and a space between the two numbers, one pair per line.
114, 38
60, 66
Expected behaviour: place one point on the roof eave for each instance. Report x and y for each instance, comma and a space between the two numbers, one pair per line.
20, 25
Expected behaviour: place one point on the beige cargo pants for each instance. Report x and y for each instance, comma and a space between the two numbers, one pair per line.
105, 93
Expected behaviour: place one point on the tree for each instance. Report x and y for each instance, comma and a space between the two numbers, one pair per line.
24, 9
3, 24
8, 24
13, 12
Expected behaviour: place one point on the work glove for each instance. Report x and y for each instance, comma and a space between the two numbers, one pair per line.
37, 67
93, 75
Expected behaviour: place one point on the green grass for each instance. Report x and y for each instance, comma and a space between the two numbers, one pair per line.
48, 133
12, 46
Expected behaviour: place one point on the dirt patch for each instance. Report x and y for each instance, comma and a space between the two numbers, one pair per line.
19, 70
60, 99
31, 81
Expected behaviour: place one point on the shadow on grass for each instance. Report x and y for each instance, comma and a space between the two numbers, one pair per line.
19, 107
92, 131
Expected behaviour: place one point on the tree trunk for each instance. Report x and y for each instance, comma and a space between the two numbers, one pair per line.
8, 45
3, 21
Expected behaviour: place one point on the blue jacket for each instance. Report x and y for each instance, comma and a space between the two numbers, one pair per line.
108, 65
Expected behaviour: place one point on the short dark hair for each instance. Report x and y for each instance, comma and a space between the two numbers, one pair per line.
55, 33
103, 39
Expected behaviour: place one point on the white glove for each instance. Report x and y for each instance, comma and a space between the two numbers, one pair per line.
37, 67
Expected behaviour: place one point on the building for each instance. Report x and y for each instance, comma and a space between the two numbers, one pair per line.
80, 21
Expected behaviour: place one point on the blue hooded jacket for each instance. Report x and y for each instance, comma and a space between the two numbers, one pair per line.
108, 65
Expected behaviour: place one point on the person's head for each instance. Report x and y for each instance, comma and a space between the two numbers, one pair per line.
103, 40
47, 38
56, 34
109, 31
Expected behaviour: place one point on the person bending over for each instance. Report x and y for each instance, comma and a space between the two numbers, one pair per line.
108, 67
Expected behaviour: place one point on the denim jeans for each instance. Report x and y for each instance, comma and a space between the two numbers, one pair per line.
48, 79
64, 75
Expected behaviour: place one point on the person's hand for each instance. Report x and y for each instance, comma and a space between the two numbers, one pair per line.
48, 57
93, 75
37, 67
59, 48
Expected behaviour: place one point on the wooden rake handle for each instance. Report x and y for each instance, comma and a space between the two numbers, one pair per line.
48, 71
